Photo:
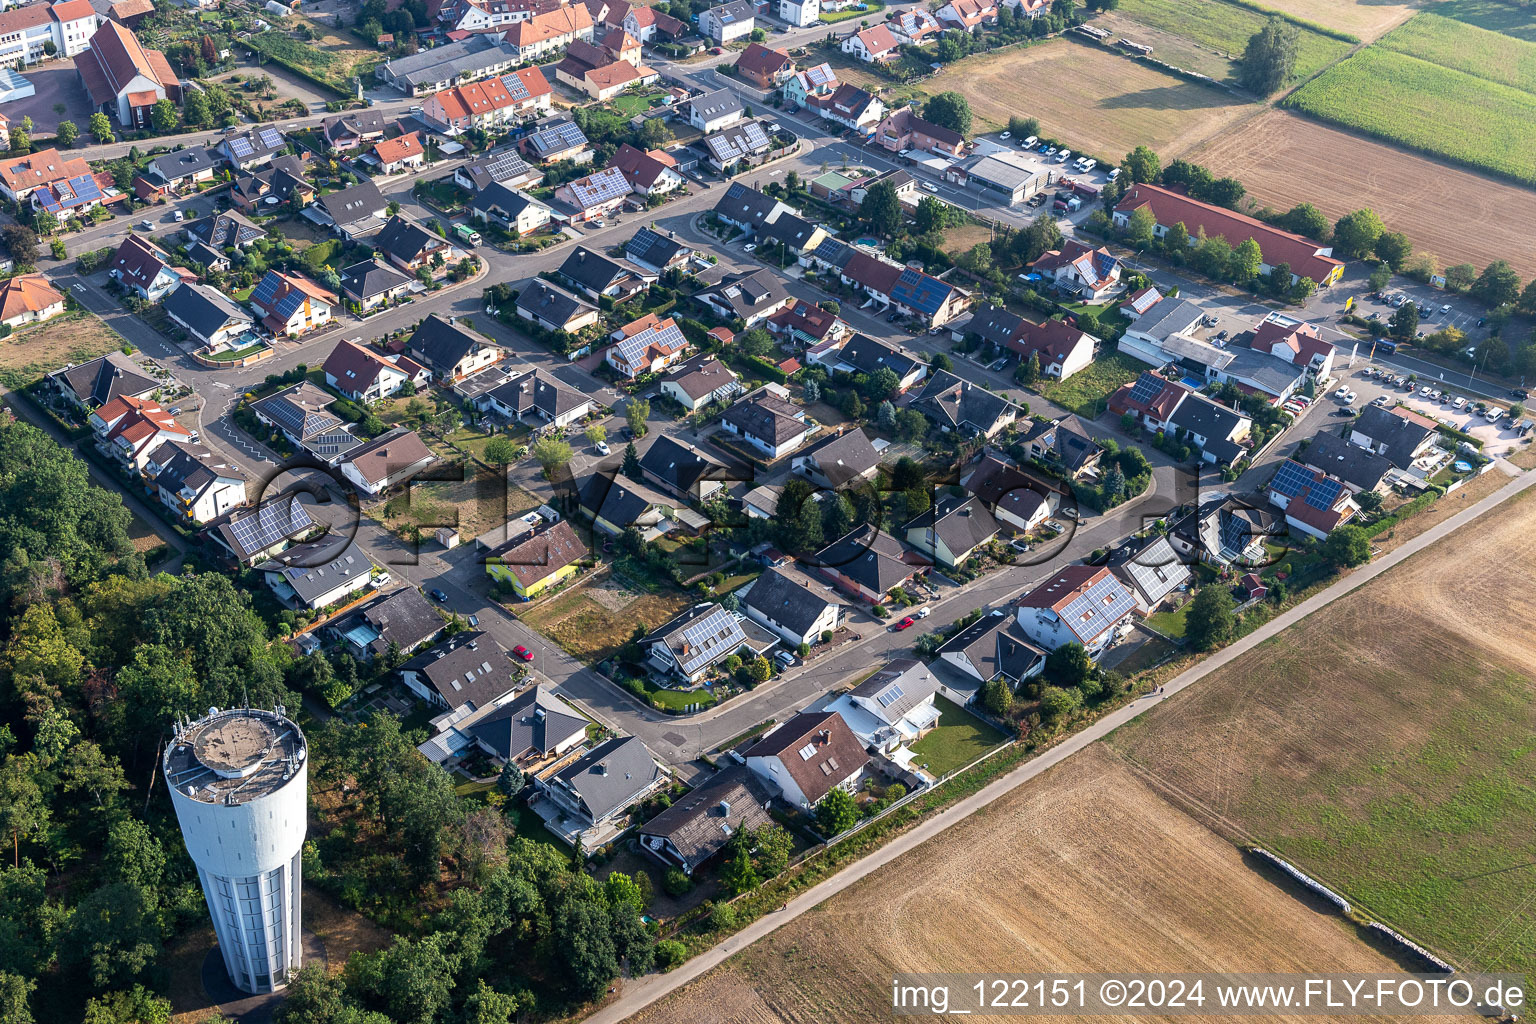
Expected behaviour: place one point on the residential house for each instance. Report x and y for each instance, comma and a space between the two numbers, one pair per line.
28, 299
1295, 341
254, 148
534, 727
194, 483
892, 709
656, 252
647, 345
1314, 502
1399, 433
1361, 469
362, 373
1219, 432
699, 382
802, 324
486, 105
813, 83
182, 169
39, 31
800, 13
503, 167
745, 207
764, 66
371, 284
762, 502
649, 173
1081, 604
968, 15
1031, 9
253, 535
598, 195
956, 404
20, 176
851, 107
615, 503
517, 212
593, 790
682, 470
794, 235
301, 413
210, 316
318, 573
554, 310
699, 824
744, 141
771, 425
863, 354
536, 396
228, 230
903, 130
993, 647
809, 756
288, 304
694, 642
129, 429
866, 562
532, 564
748, 296
356, 212
1016, 498
201, 254
647, 24
451, 352
400, 155
1077, 269
952, 530
790, 608
1153, 571
413, 248
144, 269
914, 26
550, 31
712, 111
1305, 257
1150, 399
353, 129
728, 21
1135, 305
1065, 444
66, 199
400, 621
839, 461
431, 70
1224, 531
1062, 349
598, 276
467, 670
554, 141
876, 44
124, 78
93, 383
281, 181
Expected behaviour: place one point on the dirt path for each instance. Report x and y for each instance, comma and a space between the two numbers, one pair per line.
642, 992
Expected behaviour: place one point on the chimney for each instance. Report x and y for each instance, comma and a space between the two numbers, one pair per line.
725, 808
600, 768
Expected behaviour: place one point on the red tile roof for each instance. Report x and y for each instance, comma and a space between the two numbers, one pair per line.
30, 293
1303, 340
762, 60
534, 81
44, 167
871, 273
1169, 207
541, 28
18, 18
640, 168
878, 39
1055, 340
394, 150
73, 10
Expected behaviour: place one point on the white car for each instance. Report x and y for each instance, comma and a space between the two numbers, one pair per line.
1341, 392
1006, 135
1349, 399
923, 613
1425, 392
1064, 156
1495, 414
602, 448
929, 186
749, 247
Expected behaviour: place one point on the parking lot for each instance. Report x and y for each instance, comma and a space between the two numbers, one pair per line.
1499, 437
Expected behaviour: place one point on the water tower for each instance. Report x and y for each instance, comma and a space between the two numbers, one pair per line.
238, 779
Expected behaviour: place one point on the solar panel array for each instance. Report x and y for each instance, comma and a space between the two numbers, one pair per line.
271, 138
558, 136
267, 289
1103, 604
601, 187
1147, 387
1293, 478
715, 636
734, 143
515, 87
644, 241
890, 695
273, 522
820, 75
65, 195
665, 335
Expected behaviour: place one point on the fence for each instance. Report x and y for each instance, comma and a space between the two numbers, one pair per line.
253, 358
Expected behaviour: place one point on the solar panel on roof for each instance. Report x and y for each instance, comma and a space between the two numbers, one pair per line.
890, 696
716, 635
240, 147
270, 524
1146, 388
271, 138
515, 87
1291, 478
601, 187
1323, 493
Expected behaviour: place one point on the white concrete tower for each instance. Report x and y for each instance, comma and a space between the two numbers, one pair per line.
239, 780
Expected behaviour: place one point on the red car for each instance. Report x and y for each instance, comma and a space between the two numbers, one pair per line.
523, 652
904, 623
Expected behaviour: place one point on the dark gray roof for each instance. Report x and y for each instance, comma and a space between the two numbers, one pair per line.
678, 464
192, 466
170, 166
765, 418
1152, 568
702, 821
405, 239
653, 249
1262, 369
1356, 466
611, 776
498, 196
450, 61
204, 310
101, 380
1168, 318
844, 457
786, 601
700, 376
994, 324
317, 567
542, 299
554, 136
872, 355
700, 636
403, 617
955, 403
618, 499
961, 523
535, 722
793, 231
898, 687
440, 345
370, 278
746, 294
222, 230
536, 389
743, 204
1075, 446
1401, 436
1199, 415
247, 531
594, 271
354, 203
206, 255
468, 668
869, 557
714, 105
995, 646
1007, 488
496, 167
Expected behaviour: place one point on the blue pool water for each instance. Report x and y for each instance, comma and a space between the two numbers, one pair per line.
1462, 466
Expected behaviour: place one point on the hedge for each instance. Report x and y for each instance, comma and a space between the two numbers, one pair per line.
1413, 507
764, 367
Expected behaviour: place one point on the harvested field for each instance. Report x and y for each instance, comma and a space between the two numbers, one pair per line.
1101, 874
1384, 744
1225, 29
1275, 156
72, 338
1362, 18
593, 624
1170, 47
1104, 103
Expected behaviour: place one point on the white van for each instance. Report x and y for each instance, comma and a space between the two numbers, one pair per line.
1063, 156
1089, 165
1114, 175
1029, 143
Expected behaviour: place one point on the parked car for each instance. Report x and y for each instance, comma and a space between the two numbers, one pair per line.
1424, 392
1343, 412
784, 659
929, 186
1006, 135
602, 448
1445, 309
1349, 399
905, 623
1459, 404
522, 652
438, 596
1114, 175
924, 612
1341, 392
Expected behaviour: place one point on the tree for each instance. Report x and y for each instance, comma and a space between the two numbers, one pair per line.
811, 391
1269, 59
138, 1005
1176, 242
631, 467
21, 139
931, 215
1381, 276
1347, 546
916, 501
510, 782
1068, 665
500, 451
101, 127
67, 133
774, 844
1306, 219
1405, 321
1141, 227
949, 110
1497, 285
906, 474
997, 697
21, 242
164, 117
1459, 278
837, 516
1369, 501
622, 890
1209, 621
885, 416
940, 361
1141, 165
551, 453
737, 874
1056, 702
881, 209
1029, 370
1394, 247
636, 412
1355, 235
1527, 303
1245, 262
836, 813
756, 342
597, 433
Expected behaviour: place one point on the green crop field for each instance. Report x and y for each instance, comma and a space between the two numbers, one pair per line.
1430, 108
1512, 19
1464, 47
1225, 27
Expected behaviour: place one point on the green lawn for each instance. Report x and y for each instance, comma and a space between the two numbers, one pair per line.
959, 739
529, 825
1227, 28
1170, 623
1087, 391
677, 700
874, 7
